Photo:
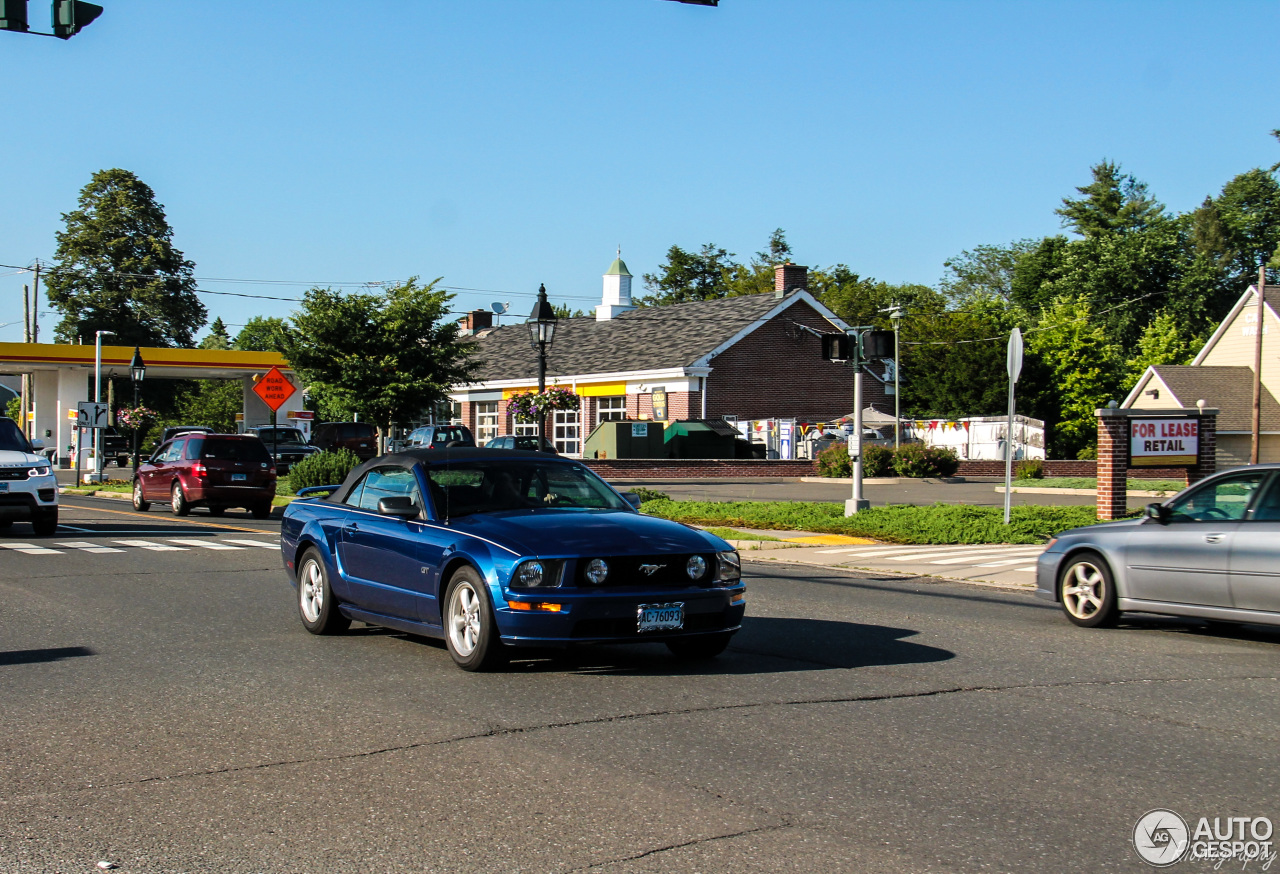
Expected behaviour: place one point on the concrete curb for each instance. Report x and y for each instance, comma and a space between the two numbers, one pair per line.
890, 480
1028, 490
116, 496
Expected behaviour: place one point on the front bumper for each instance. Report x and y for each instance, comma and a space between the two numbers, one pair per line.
593, 617
1047, 575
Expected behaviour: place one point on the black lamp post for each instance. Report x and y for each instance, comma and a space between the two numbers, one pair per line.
137, 372
542, 327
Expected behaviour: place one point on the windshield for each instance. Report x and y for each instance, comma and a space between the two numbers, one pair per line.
280, 435
468, 487
11, 439
234, 449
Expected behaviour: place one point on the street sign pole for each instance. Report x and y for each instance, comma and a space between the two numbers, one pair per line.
857, 502
1014, 365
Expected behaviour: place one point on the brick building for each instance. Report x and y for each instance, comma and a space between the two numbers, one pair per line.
751, 357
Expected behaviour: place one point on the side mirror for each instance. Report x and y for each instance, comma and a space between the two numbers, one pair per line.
1157, 513
632, 498
401, 506
37, 445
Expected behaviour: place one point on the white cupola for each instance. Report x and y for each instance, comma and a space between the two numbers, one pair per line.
617, 291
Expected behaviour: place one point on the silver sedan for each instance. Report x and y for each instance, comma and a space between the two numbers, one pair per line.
1211, 551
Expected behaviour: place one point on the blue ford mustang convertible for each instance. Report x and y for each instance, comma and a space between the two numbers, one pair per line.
493, 549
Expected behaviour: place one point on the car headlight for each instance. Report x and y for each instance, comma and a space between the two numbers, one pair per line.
38, 470
597, 571
695, 567
728, 567
535, 574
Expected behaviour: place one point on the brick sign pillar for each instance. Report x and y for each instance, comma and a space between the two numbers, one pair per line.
1113, 464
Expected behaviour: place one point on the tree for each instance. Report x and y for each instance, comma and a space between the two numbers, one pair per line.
859, 301
689, 276
1113, 202
1250, 212
262, 334
985, 270
218, 338
758, 276
1035, 271
953, 360
564, 311
116, 269
388, 356
1165, 340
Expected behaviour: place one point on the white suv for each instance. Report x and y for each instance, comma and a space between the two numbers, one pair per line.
28, 488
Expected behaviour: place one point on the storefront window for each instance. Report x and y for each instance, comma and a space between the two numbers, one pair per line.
611, 409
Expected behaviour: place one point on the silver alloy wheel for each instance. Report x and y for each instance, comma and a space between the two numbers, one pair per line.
311, 591
1084, 590
464, 618
137, 493
176, 499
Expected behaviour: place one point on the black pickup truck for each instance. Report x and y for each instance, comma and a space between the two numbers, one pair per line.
115, 445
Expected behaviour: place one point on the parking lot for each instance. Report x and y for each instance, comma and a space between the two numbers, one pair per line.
164, 710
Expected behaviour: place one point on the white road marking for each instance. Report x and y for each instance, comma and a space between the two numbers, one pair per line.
147, 544
89, 547
73, 528
881, 551
969, 559
1026, 570
31, 549
1007, 561
207, 544
979, 553
255, 543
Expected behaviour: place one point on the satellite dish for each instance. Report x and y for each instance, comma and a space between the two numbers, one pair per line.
499, 307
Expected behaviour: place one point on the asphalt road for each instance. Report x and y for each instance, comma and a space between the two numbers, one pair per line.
164, 710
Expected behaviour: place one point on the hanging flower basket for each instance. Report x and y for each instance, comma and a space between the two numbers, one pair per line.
136, 418
528, 406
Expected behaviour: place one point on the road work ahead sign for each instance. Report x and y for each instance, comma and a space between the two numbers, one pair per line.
1163, 442
274, 389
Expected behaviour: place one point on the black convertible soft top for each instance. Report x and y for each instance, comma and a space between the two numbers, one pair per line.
436, 457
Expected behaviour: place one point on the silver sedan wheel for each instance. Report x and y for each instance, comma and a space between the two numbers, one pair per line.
464, 618
311, 591
1084, 590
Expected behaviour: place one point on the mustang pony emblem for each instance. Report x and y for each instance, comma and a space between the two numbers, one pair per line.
650, 569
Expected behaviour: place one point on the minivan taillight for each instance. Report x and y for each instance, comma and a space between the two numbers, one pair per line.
198, 469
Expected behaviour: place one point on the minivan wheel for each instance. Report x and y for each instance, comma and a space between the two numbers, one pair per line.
139, 503
179, 501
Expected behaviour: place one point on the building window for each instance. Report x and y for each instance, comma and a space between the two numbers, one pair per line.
486, 421
611, 409
526, 429
565, 432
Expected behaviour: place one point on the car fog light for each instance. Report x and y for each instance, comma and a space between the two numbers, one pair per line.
597, 571
695, 567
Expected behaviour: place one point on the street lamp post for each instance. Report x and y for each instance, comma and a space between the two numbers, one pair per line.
97, 388
542, 327
137, 372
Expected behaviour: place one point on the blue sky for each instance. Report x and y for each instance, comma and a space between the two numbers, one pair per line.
503, 143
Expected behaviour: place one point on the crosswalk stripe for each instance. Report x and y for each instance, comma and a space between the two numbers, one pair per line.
968, 559
207, 544
991, 552
1028, 570
89, 547
31, 549
255, 543
147, 544
1007, 561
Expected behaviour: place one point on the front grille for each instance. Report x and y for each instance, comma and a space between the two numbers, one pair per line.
13, 473
628, 627
625, 570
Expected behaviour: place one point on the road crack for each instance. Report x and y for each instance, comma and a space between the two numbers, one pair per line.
680, 846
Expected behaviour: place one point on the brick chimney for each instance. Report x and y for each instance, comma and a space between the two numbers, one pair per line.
476, 320
788, 277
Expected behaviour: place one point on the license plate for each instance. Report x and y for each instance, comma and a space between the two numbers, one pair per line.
239, 477
660, 617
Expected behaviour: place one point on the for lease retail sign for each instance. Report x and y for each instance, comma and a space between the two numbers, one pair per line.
1163, 442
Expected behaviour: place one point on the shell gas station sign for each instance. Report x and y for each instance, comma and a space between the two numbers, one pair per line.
1163, 442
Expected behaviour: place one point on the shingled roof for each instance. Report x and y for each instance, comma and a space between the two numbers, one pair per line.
649, 338
1229, 389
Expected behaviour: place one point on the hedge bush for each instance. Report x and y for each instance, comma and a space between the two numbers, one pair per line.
322, 469
877, 461
1032, 468
918, 460
834, 461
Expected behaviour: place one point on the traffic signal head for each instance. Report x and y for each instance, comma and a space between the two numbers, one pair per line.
877, 344
835, 347
72, 16
13, 15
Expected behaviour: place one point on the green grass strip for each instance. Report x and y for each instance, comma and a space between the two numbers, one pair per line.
938, 523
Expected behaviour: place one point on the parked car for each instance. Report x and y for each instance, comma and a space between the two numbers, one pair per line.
1212, 551
210, 470
516, 441
287, 445
116, 445
170, 433
359, 437
492, 550
28, 488
440, 436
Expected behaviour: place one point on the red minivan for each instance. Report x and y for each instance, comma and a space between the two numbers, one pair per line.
211, 470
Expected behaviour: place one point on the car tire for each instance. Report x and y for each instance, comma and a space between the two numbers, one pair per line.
470, 630
178, 501
261, 511
1087, 592
45, 523
700, 648
122, 461
317, 607
139, 503
5, 523
217, 511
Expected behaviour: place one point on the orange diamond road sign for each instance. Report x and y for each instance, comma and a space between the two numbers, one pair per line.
274, 389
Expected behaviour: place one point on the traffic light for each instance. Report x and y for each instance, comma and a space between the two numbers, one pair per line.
835, 347
13, 15
877, 344
72, 16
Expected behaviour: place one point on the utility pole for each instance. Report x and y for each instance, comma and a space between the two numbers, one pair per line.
35, 307
1257, 366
